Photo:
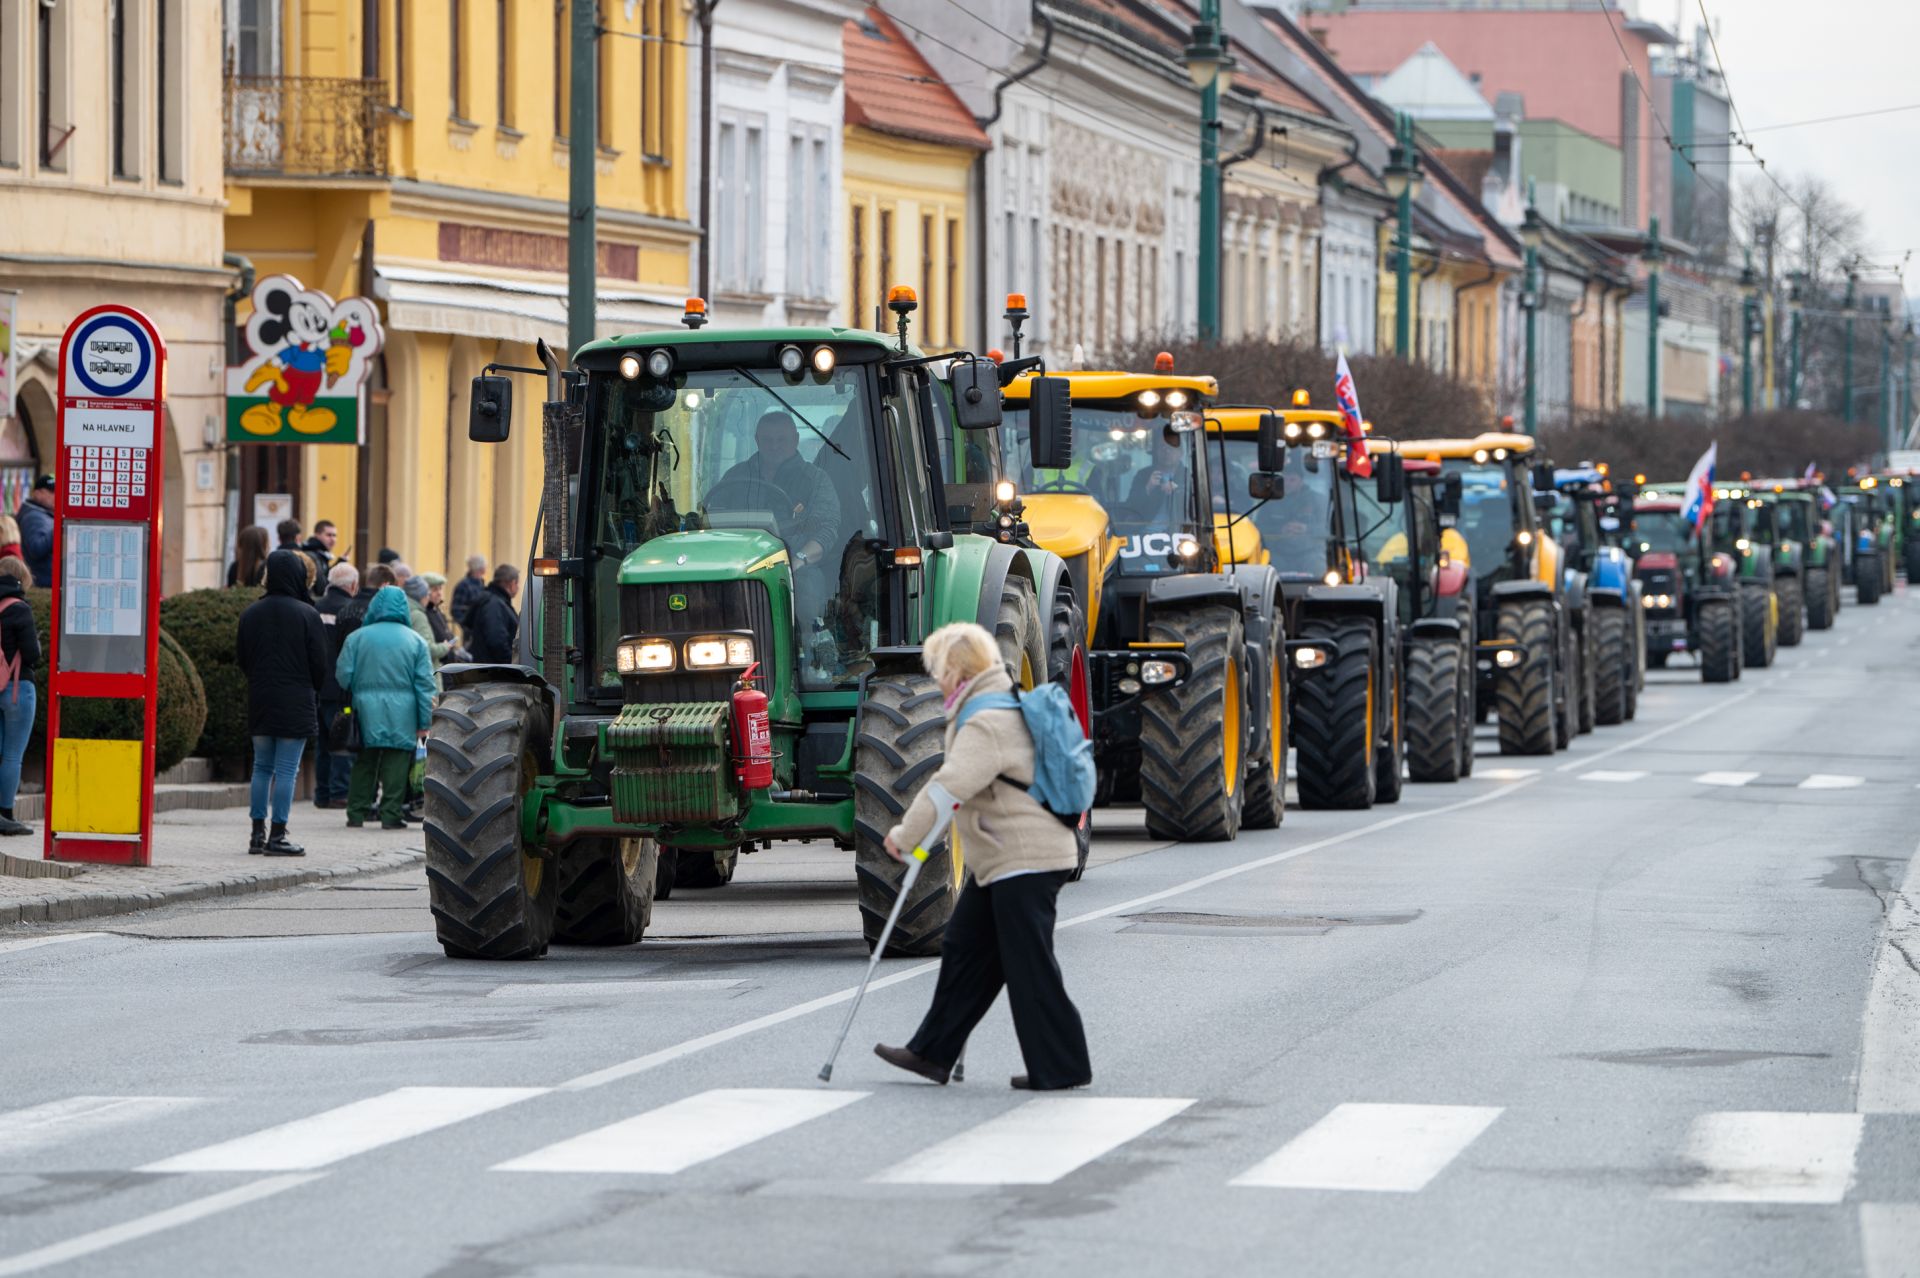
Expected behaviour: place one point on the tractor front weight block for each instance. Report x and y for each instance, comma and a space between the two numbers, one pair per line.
671, 764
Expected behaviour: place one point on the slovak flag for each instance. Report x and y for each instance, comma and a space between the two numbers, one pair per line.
1698, 503
1358, 462
1812, 470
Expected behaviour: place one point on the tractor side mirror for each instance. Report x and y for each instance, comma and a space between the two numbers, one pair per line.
1447, 500
1545, 502
1543, 477
1273, 445
1389, 479
490, 409
1050, 414
1264, 485
976, 394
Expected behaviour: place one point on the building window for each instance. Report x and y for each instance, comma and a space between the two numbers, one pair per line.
169, 112
254, 48
857, 233
502, 62
656, 102
400, 56
739, 174
822, 225
560, 69
886, 250
50, 57
9, 110
927, 310
456, 60
119, 104
809, 210
603, 88
951, 303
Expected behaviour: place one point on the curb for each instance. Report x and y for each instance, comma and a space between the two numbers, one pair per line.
62, 909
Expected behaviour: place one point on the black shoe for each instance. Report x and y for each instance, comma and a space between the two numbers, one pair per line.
257, 842
1022, 1083
279, 845
9, 826
901, 1058
394, 825
353, 824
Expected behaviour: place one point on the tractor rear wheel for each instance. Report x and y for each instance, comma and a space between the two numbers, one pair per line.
1469, 682
1866, 579
1819, 587
1757, 633
606, 891
1583, 642
1066, 640
1193, 738
1390, 758
705, 868
666, 874
1719, 644
1523, 694
1333, 716
1613, 666
492, 896
1022, 638
899, 743
1266, 805
1567, 690
1793, 611
1433, 709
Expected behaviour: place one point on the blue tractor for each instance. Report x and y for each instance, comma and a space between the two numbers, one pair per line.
1586, 518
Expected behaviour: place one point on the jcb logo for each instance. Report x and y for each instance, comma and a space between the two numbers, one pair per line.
1147, 544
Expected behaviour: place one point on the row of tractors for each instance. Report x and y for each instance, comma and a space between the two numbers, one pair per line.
746, 535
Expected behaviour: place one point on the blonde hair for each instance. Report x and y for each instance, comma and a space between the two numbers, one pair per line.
16, 568
9, 531
961, 649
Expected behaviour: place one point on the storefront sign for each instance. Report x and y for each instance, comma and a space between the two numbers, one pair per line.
105, 627
304, 380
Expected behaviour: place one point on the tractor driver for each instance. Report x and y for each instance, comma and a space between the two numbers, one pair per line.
1157, 497
813, 516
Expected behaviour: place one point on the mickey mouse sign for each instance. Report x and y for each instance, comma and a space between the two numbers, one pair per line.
305, 380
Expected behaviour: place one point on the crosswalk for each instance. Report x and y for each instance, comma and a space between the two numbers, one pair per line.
1355, 1147
1729, 780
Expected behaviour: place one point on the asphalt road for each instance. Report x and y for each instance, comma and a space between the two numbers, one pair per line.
1614, 1012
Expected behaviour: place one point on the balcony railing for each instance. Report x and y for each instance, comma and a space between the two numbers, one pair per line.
306, 126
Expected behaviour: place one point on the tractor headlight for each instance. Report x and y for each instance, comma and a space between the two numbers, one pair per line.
629, 366
706, 652
1333, 577
1743, 545
1309, 658
644, 656
823, 360
1316, 430
1480, 455
1187, 547
1176, 399
1292, 430
1156, 672
659, 363
792, 360
1149, 402
1646, 601
1524, 537
1507, 658
1004, 491
1128, 687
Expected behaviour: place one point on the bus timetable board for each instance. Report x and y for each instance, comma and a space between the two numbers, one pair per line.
106, 582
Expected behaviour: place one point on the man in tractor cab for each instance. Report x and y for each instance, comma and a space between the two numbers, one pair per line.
1157, 497
811, 520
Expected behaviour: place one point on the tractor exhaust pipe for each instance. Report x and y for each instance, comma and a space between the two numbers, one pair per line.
558, 420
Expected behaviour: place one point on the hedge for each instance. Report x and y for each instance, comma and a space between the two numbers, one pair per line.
178, 721
207, 622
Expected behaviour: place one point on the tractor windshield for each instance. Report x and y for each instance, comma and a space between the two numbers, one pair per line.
1297, 529
1661, 532
1486, 514
738, 448
1792, 516
1120, 459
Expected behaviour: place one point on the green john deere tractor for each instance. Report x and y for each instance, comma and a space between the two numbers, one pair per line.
1799, 518
743, 540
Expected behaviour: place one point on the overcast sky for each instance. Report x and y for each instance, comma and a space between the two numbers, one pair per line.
1790, 60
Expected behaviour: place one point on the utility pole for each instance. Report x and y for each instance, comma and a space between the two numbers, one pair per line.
1846, 367
1747, 281
1211, 71
1402, 179
1532, 232
1652, 257
703, 13
1886, 383
583, 151
1796, 284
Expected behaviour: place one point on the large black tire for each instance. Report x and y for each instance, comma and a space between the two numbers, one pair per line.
1469, 681
1433, 709
1390, 758
1913, 559
666, 874
1793, 611
900, 742
1524, 700
1266, 802
1566, 688
1719, 642
1757, 631
1334, 738
606, 891
1583, 642
705, 868
1819, 587
492, 897
1066, 635
1613, 674
1866, 578
1193, 738
1021, 635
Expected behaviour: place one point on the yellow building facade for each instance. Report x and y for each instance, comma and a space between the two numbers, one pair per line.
424, 161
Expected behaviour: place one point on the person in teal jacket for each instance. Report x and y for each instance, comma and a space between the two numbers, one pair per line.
387, 673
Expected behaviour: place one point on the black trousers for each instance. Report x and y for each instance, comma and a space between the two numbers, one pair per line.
1002, 935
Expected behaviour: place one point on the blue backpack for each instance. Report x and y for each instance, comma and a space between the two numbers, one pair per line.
1063, 776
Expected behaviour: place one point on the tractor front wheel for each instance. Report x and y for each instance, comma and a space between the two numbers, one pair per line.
1433, 709
1866, 579
1333, 716
1193, 738
1613, 666
1793, 611
1819, 589
704, 868
901, 741
1524, 693
606, 891
1719, 644
492, 896
1266, 805
1757, 632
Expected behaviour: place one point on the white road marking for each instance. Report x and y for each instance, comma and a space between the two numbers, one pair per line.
675, 1137
1890, 1025
1379, 1148
1506, 774
145, 1226
1037, 1143
1762, 1157
587, 989
1574, 765
55, 1122
324, 1139
35, 942
1618, 778
1726, 778
1828, 781
1890, 1239
689, 1047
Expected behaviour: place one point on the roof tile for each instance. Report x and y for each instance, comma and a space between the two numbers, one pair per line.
890, 88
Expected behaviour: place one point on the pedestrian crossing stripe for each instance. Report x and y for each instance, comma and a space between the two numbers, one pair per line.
685, 1133
1037, 1143
1617, 778
74, 1117
1771, 1157
1376, 1148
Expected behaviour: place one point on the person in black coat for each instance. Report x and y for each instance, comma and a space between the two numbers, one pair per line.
20, 653
282, 649
35, 517
329, 769
492, 623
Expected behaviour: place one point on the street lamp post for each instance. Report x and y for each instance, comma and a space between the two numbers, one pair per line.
1846, 365
1211, 70
1796, 284
1532, 232
1403, 180
1747, 303
1652, 259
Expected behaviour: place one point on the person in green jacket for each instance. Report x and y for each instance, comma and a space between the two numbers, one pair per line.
387, 673
417, 590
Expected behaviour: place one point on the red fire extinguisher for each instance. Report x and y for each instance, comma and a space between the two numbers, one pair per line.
752, 736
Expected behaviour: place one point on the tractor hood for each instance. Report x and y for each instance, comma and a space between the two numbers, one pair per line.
1654, 560
716, 554
1068, 524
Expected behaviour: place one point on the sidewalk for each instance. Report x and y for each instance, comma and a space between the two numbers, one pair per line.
197, 855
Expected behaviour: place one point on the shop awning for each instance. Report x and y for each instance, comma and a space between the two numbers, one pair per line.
426, 301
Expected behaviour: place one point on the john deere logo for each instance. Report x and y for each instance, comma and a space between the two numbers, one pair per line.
677, 602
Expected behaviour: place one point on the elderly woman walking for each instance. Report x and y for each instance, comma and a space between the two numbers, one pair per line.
1018, 854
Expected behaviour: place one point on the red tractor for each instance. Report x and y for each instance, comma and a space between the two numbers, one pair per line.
1689, 593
